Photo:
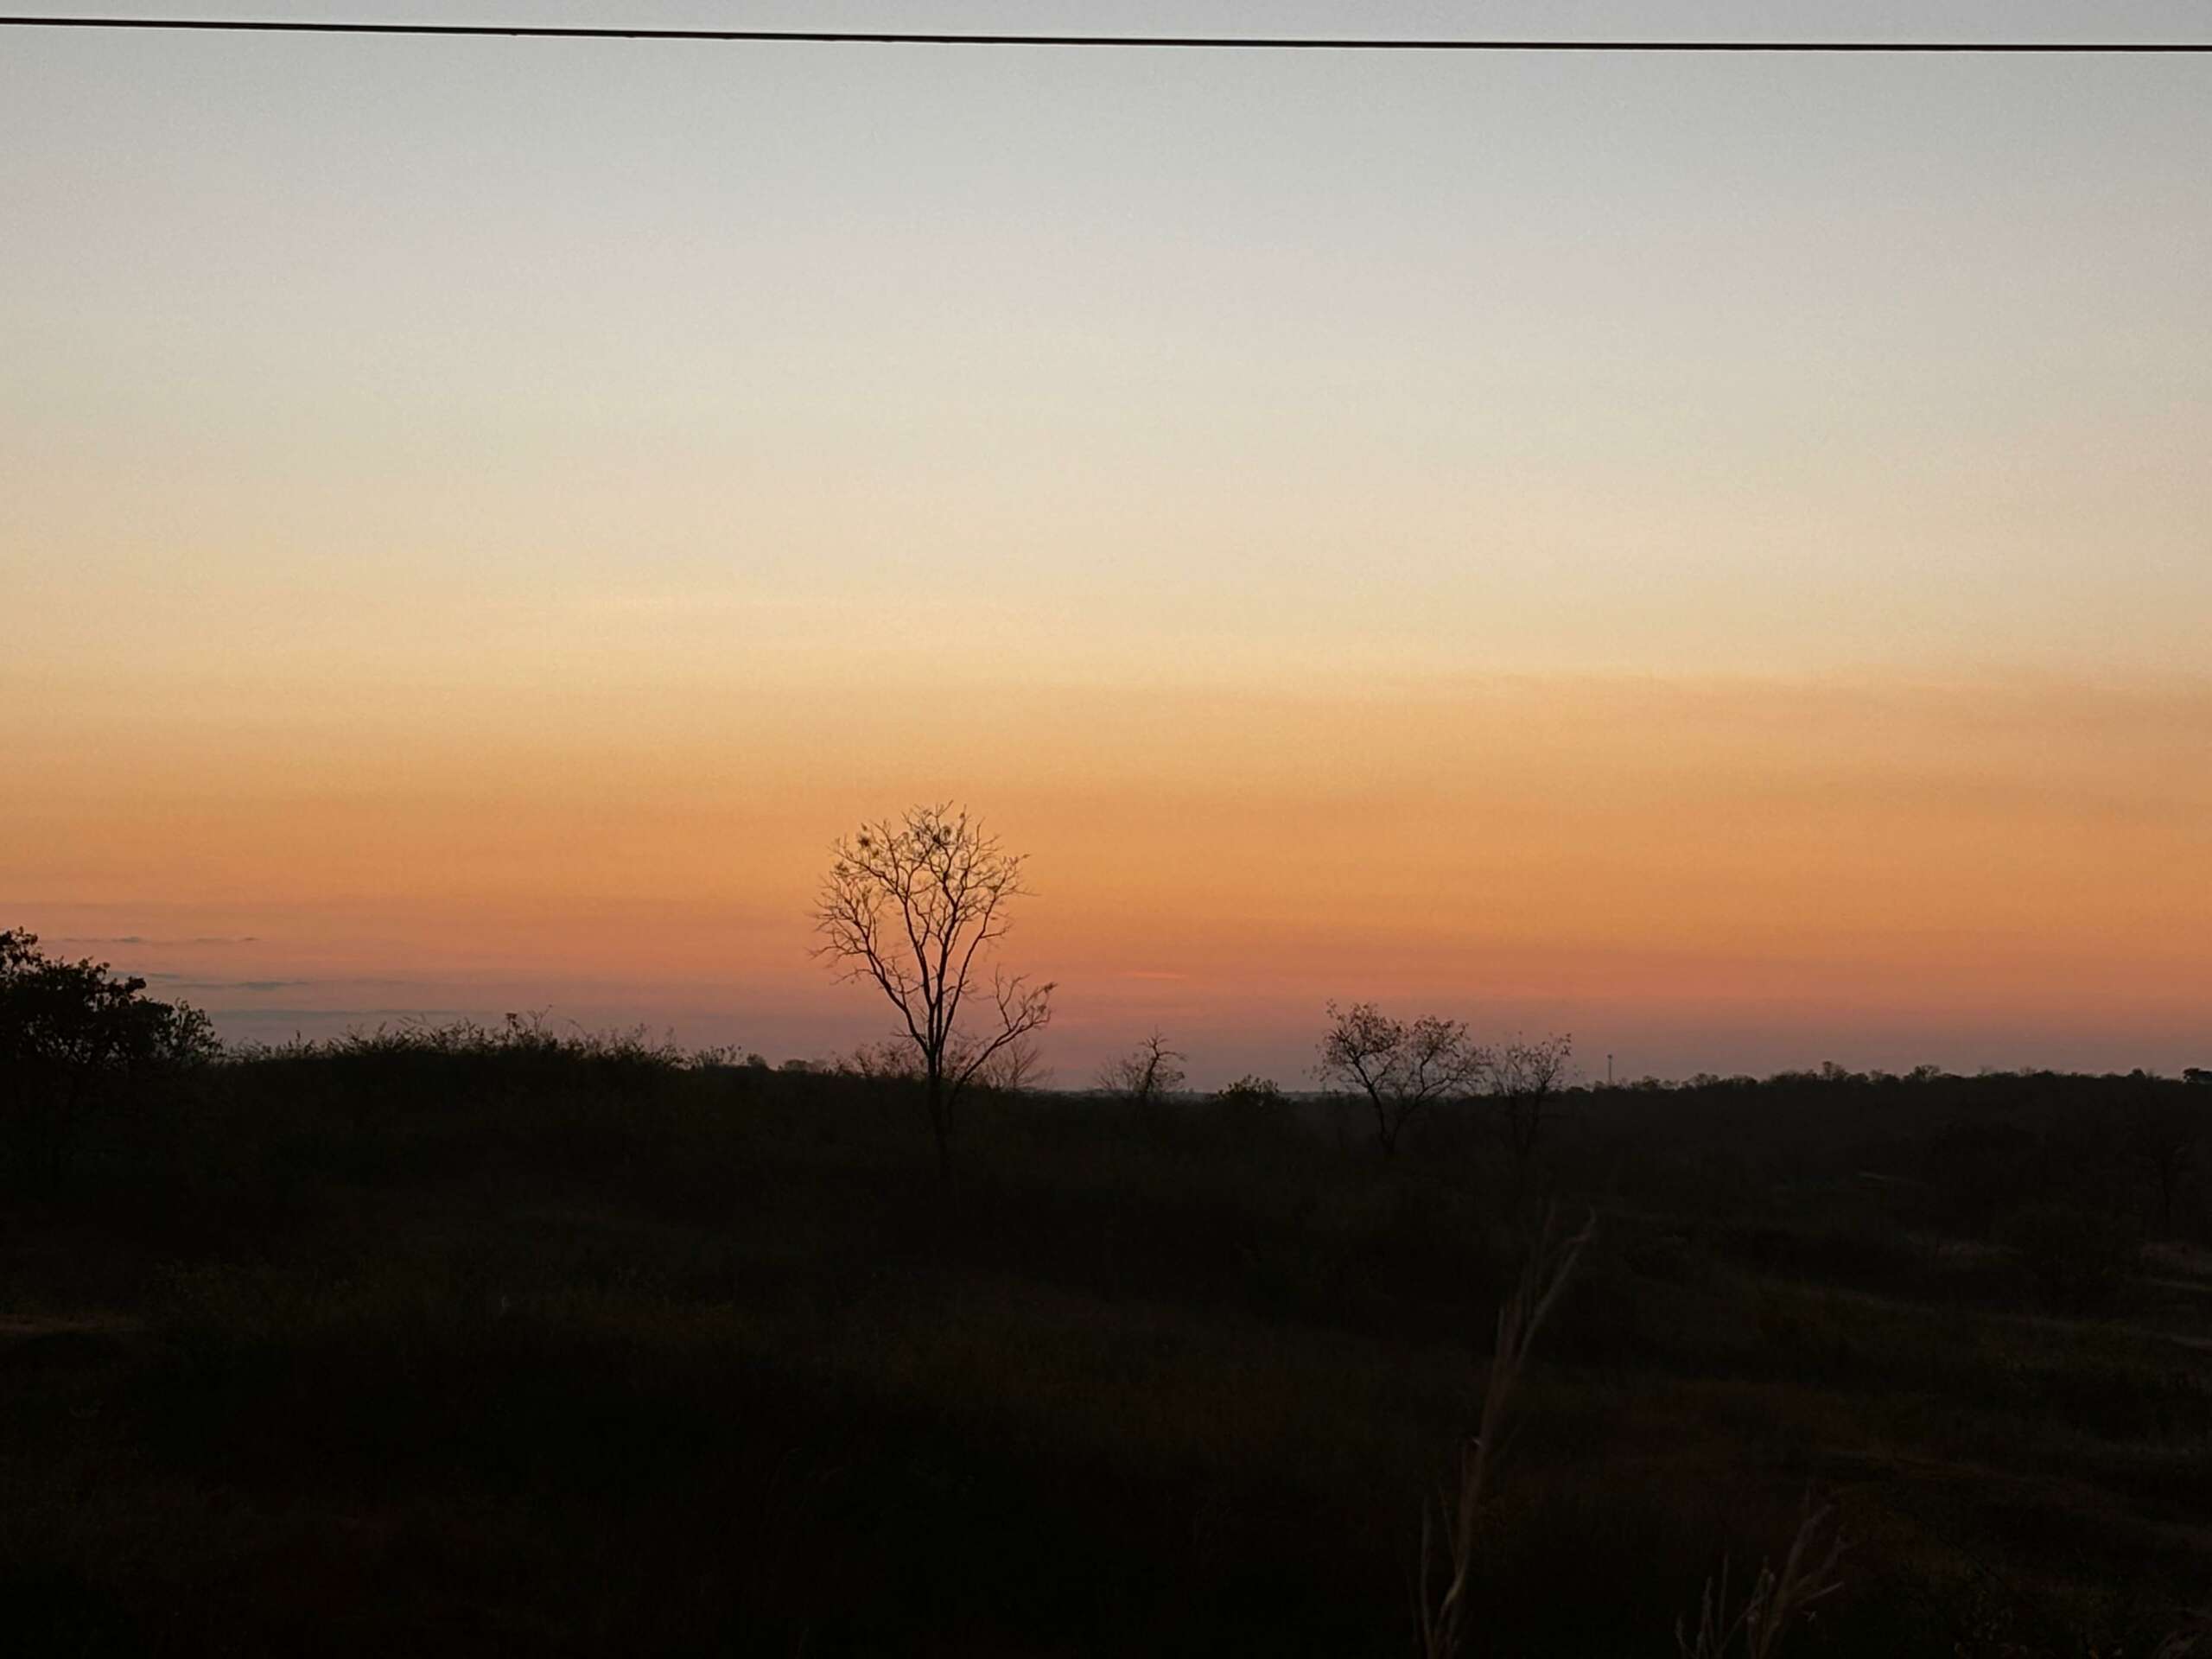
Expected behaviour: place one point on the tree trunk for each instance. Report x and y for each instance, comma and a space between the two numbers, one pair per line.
941, 1122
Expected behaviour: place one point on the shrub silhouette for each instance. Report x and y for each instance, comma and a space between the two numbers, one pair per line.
82, 1016
69, 1033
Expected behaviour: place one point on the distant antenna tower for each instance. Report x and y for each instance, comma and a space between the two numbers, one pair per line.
1609, 1071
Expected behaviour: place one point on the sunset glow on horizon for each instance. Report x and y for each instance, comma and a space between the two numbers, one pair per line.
1715, 559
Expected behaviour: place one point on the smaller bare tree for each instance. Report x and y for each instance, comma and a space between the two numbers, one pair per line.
1015, 1069
888, 1059
1145, 1074
914, 907
1524, 1077
1401, 1068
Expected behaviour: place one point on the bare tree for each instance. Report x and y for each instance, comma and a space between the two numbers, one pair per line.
1015, 1069
888, 1059
1401, 1068
915, 907
1146, 1073
1524, 1077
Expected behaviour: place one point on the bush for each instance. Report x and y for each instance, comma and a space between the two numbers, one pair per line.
71, 1034
60, 1017
1251, 1103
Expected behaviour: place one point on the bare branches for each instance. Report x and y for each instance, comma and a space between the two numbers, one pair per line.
1524, 1076
1399, 1067
1449, 1532
1021, 1009
1015, 1069
1145, 1072
913, 907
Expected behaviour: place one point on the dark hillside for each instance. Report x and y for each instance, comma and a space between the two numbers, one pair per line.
471, 1340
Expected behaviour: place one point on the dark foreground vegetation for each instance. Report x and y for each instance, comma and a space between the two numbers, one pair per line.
500, 1340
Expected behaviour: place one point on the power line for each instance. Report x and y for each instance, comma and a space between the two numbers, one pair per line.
1198, 42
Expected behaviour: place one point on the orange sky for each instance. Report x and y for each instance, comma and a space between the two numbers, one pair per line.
1880, 870
1708, 555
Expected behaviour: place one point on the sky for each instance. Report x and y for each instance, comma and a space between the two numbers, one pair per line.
1711, 555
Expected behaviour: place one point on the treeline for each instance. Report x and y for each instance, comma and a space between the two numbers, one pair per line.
101, 1084
1207, 1304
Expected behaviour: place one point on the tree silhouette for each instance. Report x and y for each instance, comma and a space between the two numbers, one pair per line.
1145, 1073
82, 1016
68, 1030
914, 907
1251, 1092
1400, 1067
1524, 1077
1018, 1068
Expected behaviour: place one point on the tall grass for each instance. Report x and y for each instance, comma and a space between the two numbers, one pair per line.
1451, 1529
1777, 1599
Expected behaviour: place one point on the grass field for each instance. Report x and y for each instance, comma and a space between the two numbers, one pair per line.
416, 1346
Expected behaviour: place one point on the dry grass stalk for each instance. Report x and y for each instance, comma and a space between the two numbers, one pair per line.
2187, 1642
1776, 1601
1448, 1531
